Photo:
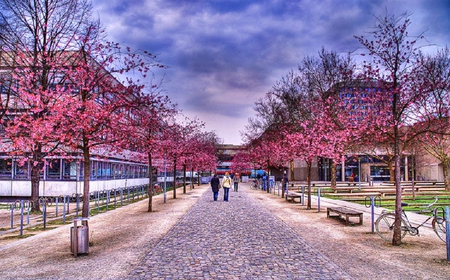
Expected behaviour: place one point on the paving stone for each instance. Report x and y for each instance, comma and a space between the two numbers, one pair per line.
238, 239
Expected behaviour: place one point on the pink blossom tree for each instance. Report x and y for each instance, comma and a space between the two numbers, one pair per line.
401, 99
242, 162
97, 110
145, 125
35, 41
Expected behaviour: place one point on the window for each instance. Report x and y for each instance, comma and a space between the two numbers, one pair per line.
94, 170
54, 169
21, 171
70, 170
5, 168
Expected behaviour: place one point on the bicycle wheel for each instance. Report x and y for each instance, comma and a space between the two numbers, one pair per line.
439, 228
384, 226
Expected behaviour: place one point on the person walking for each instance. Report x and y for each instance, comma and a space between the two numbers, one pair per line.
215, 186
285, 182
236, 181
226, 184
264, 178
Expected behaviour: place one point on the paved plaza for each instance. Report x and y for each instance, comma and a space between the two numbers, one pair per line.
255, 235
239, 239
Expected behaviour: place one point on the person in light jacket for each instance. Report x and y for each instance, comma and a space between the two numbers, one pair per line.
215, 182
226, 184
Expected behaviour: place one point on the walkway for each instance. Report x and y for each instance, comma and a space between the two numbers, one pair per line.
238, 239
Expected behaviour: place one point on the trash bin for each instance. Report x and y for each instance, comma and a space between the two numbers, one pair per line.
79, 237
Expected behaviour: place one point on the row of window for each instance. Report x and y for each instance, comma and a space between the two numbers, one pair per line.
62, 169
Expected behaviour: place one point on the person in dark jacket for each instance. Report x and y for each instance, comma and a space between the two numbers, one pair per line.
215, 182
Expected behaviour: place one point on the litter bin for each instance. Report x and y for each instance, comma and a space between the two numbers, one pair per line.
79, 237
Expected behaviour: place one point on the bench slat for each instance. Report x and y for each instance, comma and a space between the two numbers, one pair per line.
347, 213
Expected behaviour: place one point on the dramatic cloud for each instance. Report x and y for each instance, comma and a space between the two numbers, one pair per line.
224, 55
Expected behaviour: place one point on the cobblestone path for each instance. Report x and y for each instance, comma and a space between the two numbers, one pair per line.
238, 239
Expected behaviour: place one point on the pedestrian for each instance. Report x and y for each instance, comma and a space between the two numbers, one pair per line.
264, 178
285, 181
226, 184
232, 180
236, 181
215, 186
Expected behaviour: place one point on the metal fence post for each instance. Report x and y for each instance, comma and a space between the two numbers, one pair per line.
318, 199
447, 230
12, 214
22, 206
303, 195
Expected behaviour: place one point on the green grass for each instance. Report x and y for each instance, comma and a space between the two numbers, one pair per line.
19, 236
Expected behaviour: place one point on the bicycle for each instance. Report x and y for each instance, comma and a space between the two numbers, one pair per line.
385, 223
254, 185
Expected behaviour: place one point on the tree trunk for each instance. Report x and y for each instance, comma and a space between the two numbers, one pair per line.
150, 183
391, 171
267, 178
35, 179
184, 177
397, 240
446, 177
174, 178
192, 177
86, 180
291, 173
308, 179
333, 174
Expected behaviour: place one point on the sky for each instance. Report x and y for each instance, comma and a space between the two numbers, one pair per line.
223, 55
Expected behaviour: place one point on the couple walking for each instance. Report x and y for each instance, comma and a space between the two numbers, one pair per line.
226, 184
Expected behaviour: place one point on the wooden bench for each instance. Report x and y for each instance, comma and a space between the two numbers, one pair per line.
355, 194
345, 213
291, 196
342, 188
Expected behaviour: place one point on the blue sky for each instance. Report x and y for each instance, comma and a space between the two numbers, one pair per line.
224, 55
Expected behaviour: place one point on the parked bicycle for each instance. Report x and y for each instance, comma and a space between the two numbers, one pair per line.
385, 223
255, 185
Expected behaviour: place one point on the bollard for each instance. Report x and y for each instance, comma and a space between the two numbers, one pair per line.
22, 206
12, 215
447, 230
98, 201
115, 197
121, 196
43, 202
108, 194
372, 205
64, 208
28, 204
318, 199
68, 203
56, 205
303, 195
